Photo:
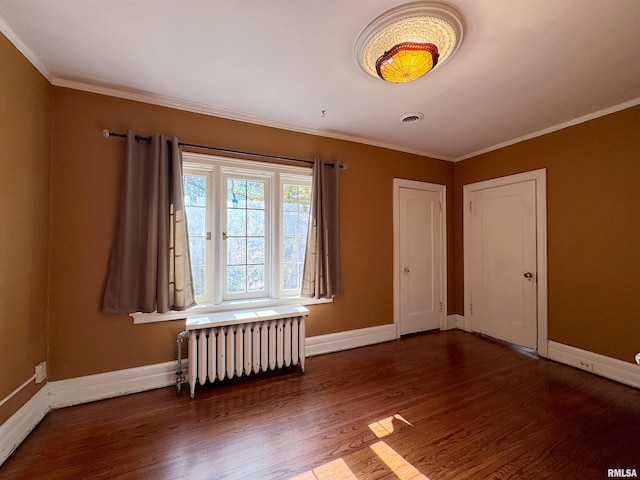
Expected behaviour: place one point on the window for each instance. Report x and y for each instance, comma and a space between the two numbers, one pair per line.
248, 224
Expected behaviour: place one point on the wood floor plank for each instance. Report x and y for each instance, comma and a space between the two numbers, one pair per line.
443, 405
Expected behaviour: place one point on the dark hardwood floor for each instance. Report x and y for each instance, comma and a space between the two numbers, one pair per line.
447, 405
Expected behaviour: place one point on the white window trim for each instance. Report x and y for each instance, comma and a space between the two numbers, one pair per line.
205, 163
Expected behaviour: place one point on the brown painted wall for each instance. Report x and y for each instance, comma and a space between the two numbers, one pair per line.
86, 174
24, 223
58, 271
593, 212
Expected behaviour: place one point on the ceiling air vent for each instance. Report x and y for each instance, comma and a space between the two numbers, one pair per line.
412, 118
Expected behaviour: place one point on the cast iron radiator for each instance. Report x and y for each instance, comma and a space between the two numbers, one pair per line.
233, 344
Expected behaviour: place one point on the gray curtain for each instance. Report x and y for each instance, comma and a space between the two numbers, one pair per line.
150, 267
322, 277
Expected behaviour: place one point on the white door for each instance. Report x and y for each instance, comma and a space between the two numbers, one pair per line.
419, 256
503, 254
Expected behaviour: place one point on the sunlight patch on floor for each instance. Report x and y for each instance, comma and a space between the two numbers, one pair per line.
338, 469
403, 469
384, 427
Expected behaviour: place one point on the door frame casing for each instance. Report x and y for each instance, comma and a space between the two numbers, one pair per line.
399, 183
540, 178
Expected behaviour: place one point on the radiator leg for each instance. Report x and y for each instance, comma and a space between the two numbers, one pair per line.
192, 374
302, 348
179, 374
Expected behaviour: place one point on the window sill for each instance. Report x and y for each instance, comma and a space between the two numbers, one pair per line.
207, 308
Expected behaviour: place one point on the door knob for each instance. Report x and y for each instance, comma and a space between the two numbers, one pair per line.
528, 275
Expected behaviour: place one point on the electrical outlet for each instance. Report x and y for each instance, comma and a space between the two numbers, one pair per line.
41, 372
585, 365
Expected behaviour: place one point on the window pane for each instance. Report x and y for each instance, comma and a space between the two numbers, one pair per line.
290, 198
304, 219
236, 251
245, 229
255, 223
236, 279
290, 223
195, 190
295, 222
255, 250
198, 280
236, 222
255, 195
255, 278
290, 276
302, 248
196, 249
196, 220
196, 187
236, 193
296, 198
290, 249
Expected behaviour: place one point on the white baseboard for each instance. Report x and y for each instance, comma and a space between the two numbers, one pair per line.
21, 423
89, 388
611, 368
453, 321
334, 342
74, 391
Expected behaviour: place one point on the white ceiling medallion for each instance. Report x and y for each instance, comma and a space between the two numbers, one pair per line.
408, 41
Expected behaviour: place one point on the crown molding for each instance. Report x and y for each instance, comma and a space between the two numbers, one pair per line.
554, 128
26, 51
170, 102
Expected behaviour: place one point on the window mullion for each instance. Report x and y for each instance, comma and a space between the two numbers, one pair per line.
210, 239
219, 220
276, 228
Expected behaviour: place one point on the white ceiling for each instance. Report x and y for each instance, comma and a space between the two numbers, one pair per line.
525, 67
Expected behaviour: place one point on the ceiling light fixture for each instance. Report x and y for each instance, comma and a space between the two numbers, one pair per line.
407, 42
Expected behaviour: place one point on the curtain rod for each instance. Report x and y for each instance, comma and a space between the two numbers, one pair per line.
107, 134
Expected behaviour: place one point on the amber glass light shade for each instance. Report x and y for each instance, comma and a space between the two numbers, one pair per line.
407, 61
410, 40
